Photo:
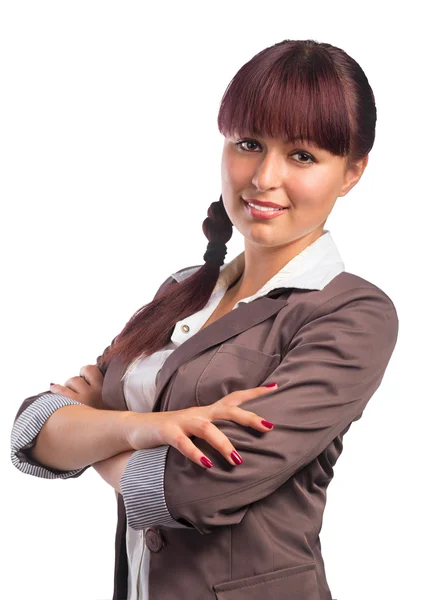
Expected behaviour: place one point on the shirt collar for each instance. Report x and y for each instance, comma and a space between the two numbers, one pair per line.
312, 268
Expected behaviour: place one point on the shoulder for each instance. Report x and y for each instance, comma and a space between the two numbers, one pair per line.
176, 277
347, 301
185, 272
348, 287
342, 289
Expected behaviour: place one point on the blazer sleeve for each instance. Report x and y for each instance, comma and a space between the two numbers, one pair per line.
29, 420
331, 368
32, 415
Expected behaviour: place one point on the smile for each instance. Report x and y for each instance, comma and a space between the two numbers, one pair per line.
263, 212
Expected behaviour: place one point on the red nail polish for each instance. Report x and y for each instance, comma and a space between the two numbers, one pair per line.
270, 385
53, 384
267, 424
206, 462
236, 458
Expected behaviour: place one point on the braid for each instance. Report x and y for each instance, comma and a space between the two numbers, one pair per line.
218, 229
150, 328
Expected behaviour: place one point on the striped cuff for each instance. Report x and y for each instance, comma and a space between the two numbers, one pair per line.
142, 487
26, 428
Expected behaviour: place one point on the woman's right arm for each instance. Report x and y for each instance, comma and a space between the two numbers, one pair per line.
57, 437
44, 445
72, 438
75, 437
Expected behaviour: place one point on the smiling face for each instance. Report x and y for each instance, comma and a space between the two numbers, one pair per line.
302, 177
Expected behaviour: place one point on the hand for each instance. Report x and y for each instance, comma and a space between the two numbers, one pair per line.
87, 388
149, 430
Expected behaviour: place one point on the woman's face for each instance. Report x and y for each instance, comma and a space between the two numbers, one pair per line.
305, 179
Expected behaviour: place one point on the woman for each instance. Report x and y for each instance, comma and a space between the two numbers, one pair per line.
236, 511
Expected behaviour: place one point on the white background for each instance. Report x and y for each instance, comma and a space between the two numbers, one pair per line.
110, 157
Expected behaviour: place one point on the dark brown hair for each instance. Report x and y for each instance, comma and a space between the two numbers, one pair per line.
294, 89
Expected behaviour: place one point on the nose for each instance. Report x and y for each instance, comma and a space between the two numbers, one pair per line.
271, 172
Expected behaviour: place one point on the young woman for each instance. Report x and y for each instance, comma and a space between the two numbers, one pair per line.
233, 510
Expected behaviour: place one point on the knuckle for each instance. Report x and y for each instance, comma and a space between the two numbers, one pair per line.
179, 441
225, 413
234, 411
205, 426
238, 414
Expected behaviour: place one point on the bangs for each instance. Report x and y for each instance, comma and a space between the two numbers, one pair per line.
295, 96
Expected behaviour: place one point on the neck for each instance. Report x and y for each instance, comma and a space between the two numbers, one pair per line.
261, 264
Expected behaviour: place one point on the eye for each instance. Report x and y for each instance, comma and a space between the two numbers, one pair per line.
246, 142
307, 155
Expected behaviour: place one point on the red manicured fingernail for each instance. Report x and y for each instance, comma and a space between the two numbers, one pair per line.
271, 385
236, 458
267, 424
53, 384
206, 462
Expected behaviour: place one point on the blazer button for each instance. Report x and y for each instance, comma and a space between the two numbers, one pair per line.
154, 540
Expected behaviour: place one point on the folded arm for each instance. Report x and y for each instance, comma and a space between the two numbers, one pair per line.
330, 370
98, 435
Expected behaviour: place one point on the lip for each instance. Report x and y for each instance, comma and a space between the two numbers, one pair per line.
262, 215
263, 203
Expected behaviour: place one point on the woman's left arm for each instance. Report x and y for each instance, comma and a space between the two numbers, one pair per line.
112, 469
332, 367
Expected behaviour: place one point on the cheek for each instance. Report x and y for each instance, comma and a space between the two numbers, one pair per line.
233, 173
314, 187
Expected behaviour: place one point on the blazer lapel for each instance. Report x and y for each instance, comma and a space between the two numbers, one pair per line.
232, 323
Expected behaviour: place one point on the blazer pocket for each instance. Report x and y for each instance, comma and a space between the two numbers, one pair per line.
293, 583
233, 367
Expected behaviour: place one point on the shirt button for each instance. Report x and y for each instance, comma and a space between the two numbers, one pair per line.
185, 328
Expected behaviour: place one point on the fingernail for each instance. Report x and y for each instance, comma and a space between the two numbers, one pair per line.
236, 458
53, 384
267, 424
271, 385
206, 462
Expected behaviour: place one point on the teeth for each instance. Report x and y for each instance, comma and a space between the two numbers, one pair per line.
264, 208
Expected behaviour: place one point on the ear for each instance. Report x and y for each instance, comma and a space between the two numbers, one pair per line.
353, 174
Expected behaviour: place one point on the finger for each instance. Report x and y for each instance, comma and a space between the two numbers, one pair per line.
242, 417
240, 396
184, 445
64, 391
76, 384
204, 429
92, 375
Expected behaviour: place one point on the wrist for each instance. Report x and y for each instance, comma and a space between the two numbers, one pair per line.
126, 424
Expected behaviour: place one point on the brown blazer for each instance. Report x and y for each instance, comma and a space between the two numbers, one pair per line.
252, 531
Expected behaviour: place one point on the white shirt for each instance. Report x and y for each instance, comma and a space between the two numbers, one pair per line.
313, 268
